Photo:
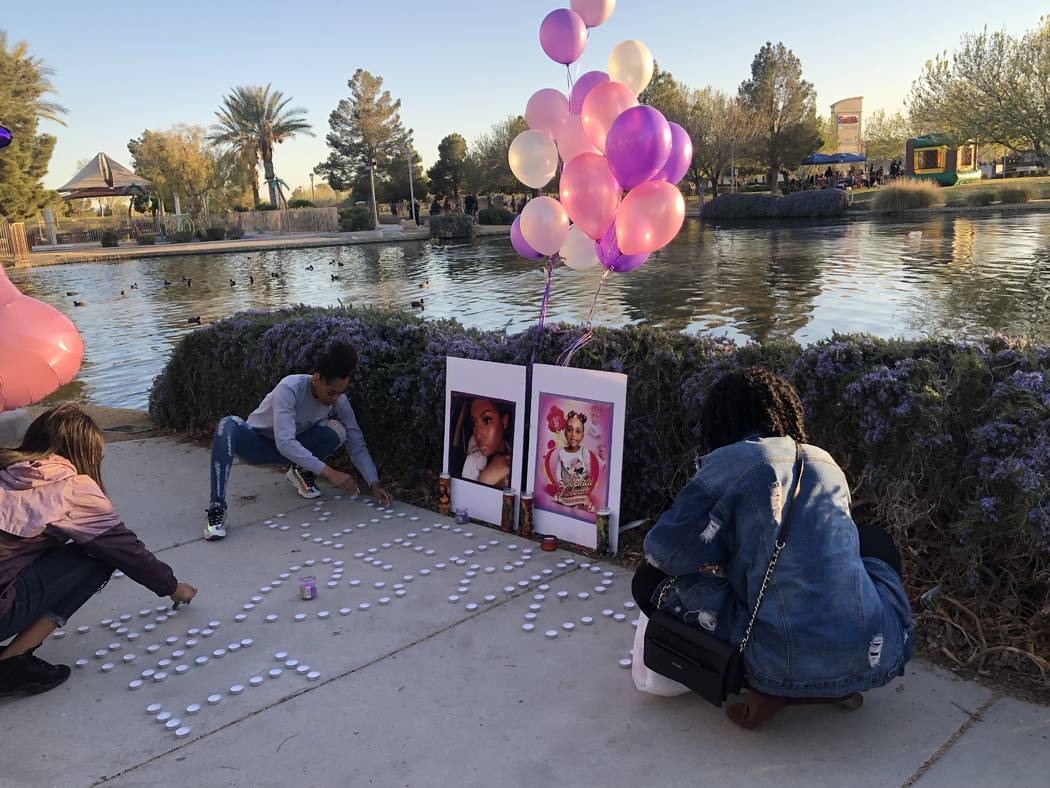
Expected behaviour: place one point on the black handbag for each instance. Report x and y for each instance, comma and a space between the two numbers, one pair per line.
694, 657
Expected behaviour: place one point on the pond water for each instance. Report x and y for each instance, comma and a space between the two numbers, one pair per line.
963, 277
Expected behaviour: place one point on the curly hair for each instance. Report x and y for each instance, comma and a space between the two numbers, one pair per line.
574, 415
337, 361
747, 401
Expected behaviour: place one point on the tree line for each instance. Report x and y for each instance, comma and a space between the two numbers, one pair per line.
994, 89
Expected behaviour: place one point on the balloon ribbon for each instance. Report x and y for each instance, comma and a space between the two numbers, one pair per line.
547, 268
588, 332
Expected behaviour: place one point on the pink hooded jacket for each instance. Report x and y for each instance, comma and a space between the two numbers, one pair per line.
45, 503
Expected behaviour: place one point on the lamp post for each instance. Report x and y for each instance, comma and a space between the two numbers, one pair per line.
411, 190
372, 180
312, 197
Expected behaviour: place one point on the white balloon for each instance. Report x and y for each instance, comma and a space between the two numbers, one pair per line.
533, 158
593, 12
631, 63
544, 224
578, 251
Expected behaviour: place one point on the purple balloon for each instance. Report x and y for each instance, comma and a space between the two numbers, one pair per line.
5, 137
680, 158
563, 35
638, 145
610, 256
519, 243
583, 86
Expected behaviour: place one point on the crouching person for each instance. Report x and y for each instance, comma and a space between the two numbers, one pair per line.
60, 541
300, 423
835, 620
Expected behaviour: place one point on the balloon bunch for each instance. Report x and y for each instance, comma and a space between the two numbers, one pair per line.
40, 348
618, 202
5, 137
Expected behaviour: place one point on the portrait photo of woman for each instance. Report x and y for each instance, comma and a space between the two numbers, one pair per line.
481, 439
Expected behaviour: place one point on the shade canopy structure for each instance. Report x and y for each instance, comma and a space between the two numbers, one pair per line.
834, 158
104, 177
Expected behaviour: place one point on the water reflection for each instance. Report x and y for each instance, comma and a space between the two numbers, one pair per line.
963, 276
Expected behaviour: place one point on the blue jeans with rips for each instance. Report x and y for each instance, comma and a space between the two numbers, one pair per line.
234, 438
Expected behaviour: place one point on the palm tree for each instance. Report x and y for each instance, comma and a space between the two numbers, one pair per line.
254, 117
26, 77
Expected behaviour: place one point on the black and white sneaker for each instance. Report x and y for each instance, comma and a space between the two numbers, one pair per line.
304, 482
215, 522
29, 674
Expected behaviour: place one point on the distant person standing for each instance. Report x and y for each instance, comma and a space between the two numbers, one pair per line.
435, 207
447, 207
415, 211
471, 205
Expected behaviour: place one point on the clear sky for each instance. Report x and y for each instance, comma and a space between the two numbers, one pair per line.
456, 66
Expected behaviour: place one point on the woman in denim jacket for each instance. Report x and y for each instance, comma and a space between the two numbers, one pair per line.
835, 620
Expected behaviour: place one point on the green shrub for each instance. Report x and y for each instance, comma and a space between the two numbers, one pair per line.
495, 216
355, 218
1015, 195
180, 236
234, 233
808, 204
215, 233
943, 443
266, 206
906, 194
145, 239
241, 209
108, 238
449, 226
979, 197
299, 203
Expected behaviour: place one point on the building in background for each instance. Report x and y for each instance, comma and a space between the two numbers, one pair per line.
847, 115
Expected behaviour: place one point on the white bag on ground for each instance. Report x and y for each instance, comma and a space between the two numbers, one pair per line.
644, 679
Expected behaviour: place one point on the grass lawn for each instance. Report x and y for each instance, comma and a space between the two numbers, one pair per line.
1040, 186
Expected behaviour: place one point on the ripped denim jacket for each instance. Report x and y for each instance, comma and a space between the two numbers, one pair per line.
831, 622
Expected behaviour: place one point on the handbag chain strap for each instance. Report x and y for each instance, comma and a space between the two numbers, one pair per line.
778, 545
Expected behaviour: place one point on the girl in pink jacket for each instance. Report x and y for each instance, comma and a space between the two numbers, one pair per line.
60, 541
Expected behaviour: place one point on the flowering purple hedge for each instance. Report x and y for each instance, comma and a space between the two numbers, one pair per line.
944, 444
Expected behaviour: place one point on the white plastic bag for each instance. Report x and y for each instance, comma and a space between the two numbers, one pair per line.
644, 679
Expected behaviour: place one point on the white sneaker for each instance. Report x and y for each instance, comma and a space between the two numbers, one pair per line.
215, 523
304, 482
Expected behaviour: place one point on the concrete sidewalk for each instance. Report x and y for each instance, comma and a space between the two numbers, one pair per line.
412, 668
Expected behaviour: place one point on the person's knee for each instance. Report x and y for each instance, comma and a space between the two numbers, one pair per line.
336, 437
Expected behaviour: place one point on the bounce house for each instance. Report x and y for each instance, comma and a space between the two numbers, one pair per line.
933, 158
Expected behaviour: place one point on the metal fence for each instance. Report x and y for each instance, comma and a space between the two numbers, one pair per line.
291, 220
14, 247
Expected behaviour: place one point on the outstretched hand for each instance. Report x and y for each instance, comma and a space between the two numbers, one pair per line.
341, 481
381, 495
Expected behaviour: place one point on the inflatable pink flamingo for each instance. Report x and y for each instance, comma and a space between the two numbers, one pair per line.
40, 349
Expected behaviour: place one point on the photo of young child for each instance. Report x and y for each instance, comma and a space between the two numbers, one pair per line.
481, 433
572, 470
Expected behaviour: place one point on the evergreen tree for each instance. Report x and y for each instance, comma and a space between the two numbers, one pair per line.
24, 81
448, 175
367, 128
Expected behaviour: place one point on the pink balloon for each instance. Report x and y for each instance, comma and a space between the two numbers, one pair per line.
610, 257
544, 225
649, 217
681, 157
593, 12
563, 36
590, 193
584, 85
638, 145
572, 140
547, 110
603, 105
40, 349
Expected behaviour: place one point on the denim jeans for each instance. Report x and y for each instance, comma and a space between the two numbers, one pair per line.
54, 585
234, 438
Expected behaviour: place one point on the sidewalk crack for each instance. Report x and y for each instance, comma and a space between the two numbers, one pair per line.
974, 717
